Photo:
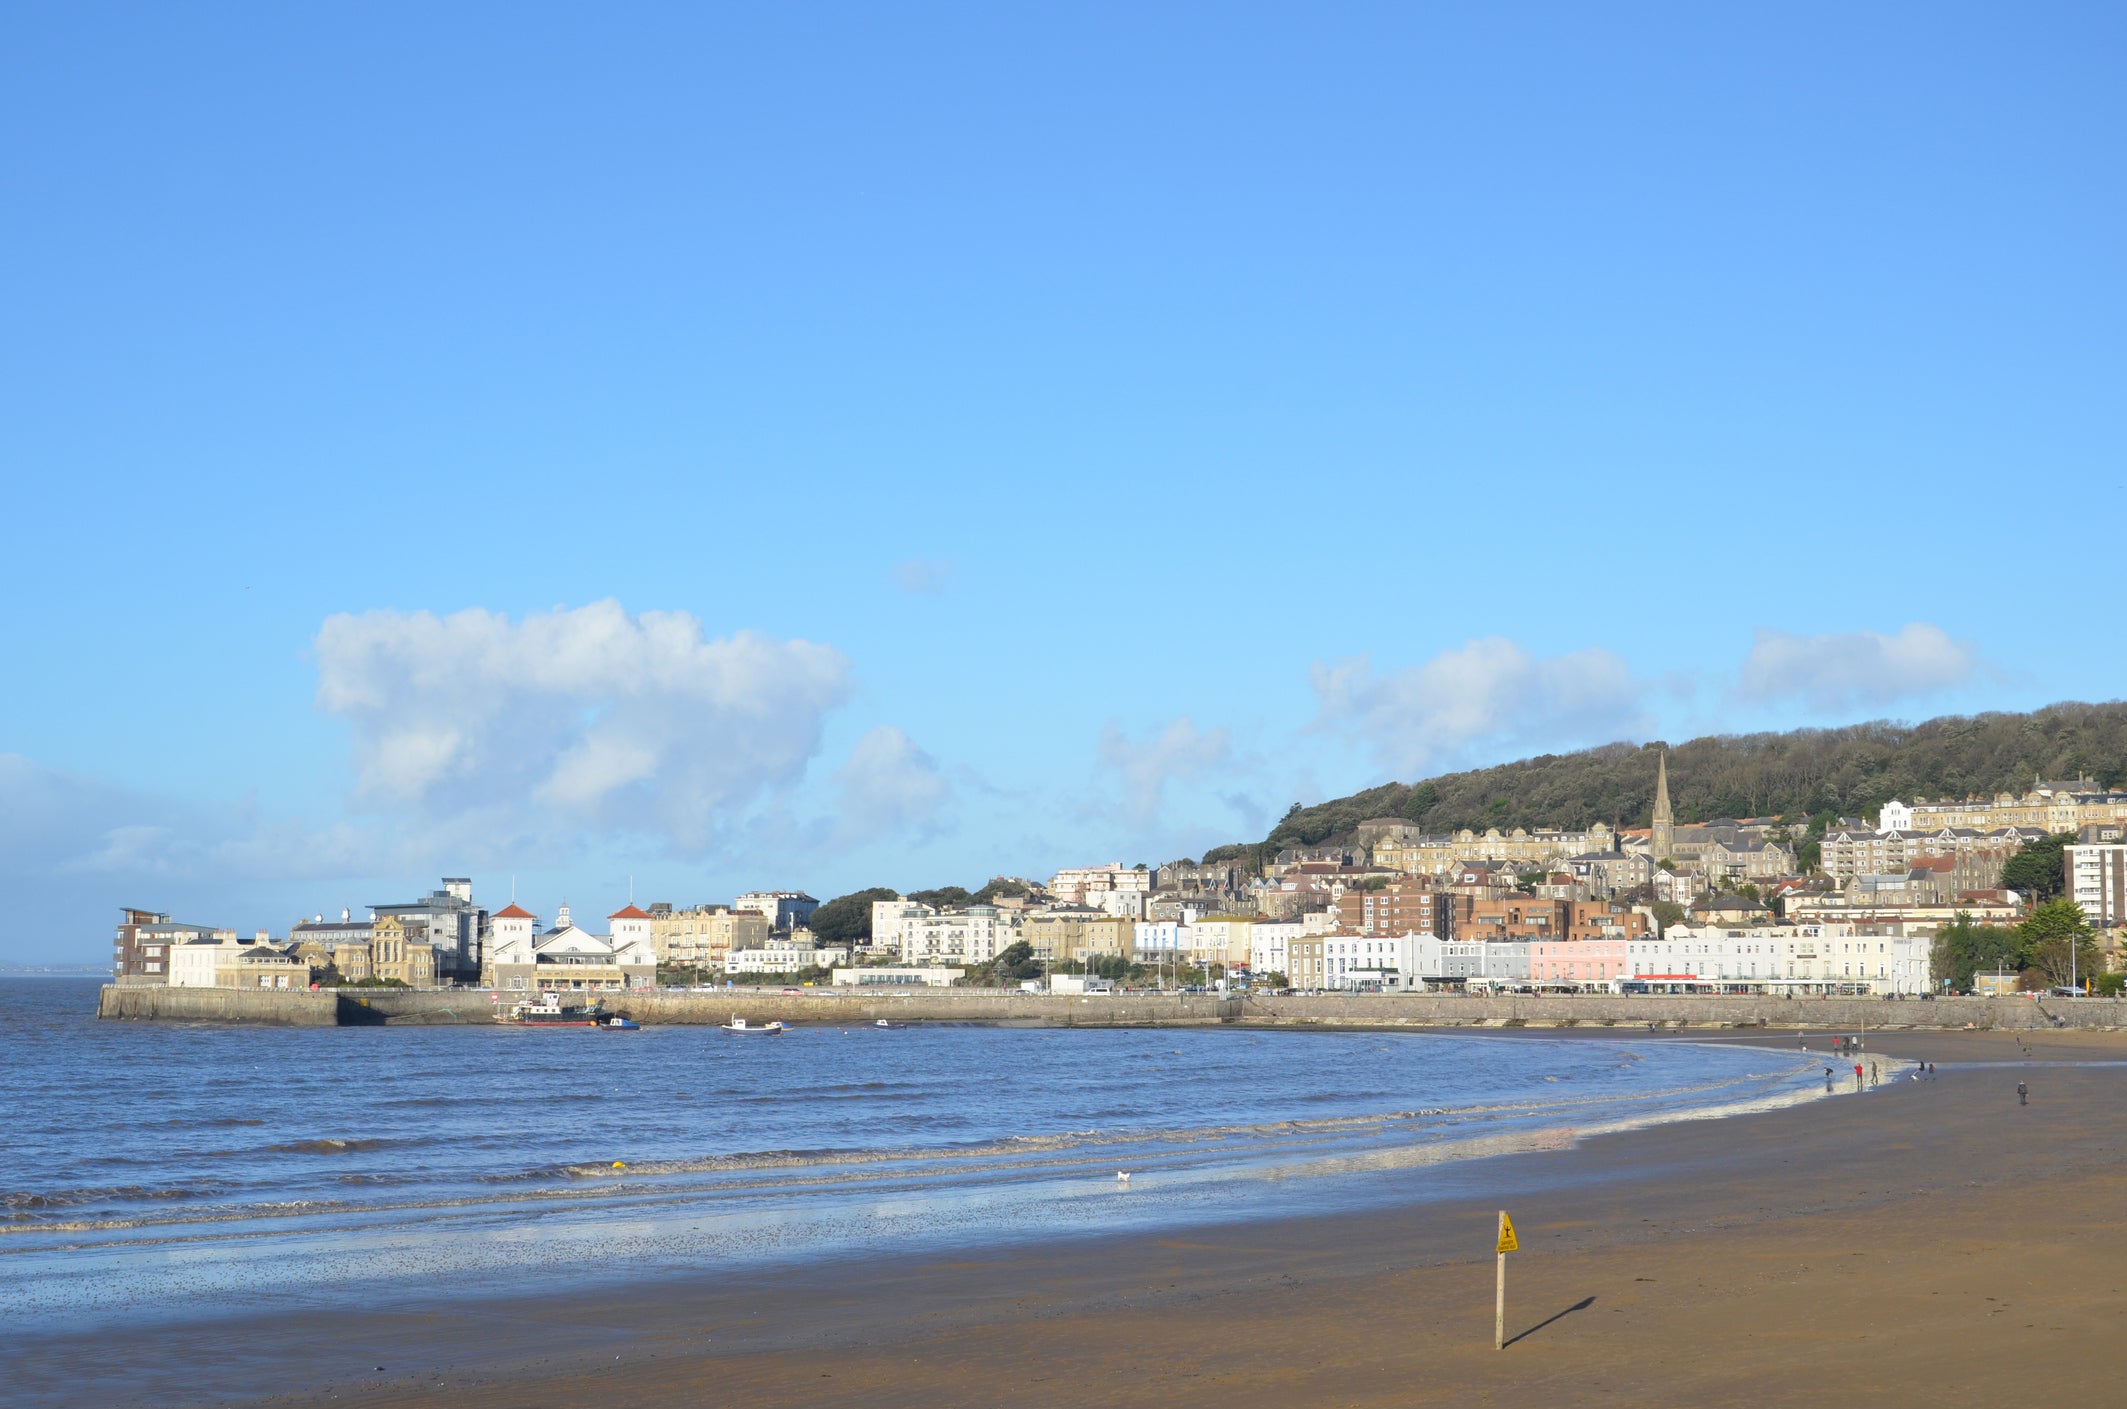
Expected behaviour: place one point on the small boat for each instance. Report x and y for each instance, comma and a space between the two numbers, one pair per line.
739, 1024
617, 1023
885, 1024
550, 1011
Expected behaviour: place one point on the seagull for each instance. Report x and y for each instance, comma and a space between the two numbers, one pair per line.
1122, 1176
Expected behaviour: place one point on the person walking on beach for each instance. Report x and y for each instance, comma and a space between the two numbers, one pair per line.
1857, 1076
2023, 1094
1827, 1081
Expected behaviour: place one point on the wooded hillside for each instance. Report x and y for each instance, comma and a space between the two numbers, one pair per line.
1843, 772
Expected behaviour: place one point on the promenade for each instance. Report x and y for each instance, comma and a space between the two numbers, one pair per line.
388, 1007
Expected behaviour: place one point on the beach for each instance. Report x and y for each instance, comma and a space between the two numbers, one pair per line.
1931, 1240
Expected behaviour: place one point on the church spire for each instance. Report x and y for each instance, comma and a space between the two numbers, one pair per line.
1664, 820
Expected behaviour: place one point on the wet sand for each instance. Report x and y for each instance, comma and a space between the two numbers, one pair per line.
1928, 1242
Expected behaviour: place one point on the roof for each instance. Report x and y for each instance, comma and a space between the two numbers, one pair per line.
629, 912
514, 911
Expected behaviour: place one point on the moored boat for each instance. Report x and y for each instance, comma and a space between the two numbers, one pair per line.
617, 1023
549, 1011
739, 1024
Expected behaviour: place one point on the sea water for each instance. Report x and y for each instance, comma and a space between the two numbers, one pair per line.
147, 1167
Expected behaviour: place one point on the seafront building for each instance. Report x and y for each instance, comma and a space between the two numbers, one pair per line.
221, 960
785, 955
976, 935
1075, 933
524, 958
2097, 879
888, 976
704, 937
141, 950
445, 920
1772, 959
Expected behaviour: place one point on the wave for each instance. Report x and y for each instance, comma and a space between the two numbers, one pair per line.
330, 1147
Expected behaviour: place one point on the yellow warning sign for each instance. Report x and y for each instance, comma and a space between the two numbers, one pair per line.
1506, 1235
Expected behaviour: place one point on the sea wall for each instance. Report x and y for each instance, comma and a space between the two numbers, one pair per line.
397, 1007
271, 1008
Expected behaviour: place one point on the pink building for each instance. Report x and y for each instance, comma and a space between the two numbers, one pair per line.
1577, 961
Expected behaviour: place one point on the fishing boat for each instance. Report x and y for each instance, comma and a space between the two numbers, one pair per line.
549, 1011
739, 1024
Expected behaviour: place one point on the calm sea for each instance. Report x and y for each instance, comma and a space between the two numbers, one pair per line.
146, 1167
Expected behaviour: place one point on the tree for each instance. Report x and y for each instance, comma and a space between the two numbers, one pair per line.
2061, 944
2038, 871
1422, 800
1820, 774
1529, 880
1016, 962
847, 918
1963, 949
1667, 913
943, 898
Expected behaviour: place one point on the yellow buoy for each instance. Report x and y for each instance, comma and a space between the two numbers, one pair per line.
620, 1164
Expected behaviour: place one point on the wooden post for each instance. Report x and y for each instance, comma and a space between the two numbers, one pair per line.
1499, 1304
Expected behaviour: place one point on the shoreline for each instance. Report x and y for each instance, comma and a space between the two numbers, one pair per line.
1917, 1174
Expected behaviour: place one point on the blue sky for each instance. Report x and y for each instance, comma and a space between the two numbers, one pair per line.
832, 445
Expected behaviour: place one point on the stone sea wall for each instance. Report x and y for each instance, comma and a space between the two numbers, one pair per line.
831, 1007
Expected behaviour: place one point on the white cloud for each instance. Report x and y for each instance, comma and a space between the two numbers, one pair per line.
584, 720
922, 577
1488, 695
889, 786
1842, 670
1180, 752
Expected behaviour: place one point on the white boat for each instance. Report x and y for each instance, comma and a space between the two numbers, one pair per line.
739, 1024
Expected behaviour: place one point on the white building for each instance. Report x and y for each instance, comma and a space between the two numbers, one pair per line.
1777, 958
568, 958
192, 963
888, 917
1074, 886
2097, 881
869, 977
1270, 945
1389, 962
785, 956
975, 935
1163, 937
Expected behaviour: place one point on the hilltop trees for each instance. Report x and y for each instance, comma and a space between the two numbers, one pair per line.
847, 918
1819, 774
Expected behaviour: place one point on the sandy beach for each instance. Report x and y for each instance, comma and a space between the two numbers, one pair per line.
1932, 1242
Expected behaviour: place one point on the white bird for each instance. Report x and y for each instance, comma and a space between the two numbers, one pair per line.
1122, 1175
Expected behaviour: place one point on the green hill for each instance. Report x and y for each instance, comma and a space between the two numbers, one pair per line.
1846, 772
